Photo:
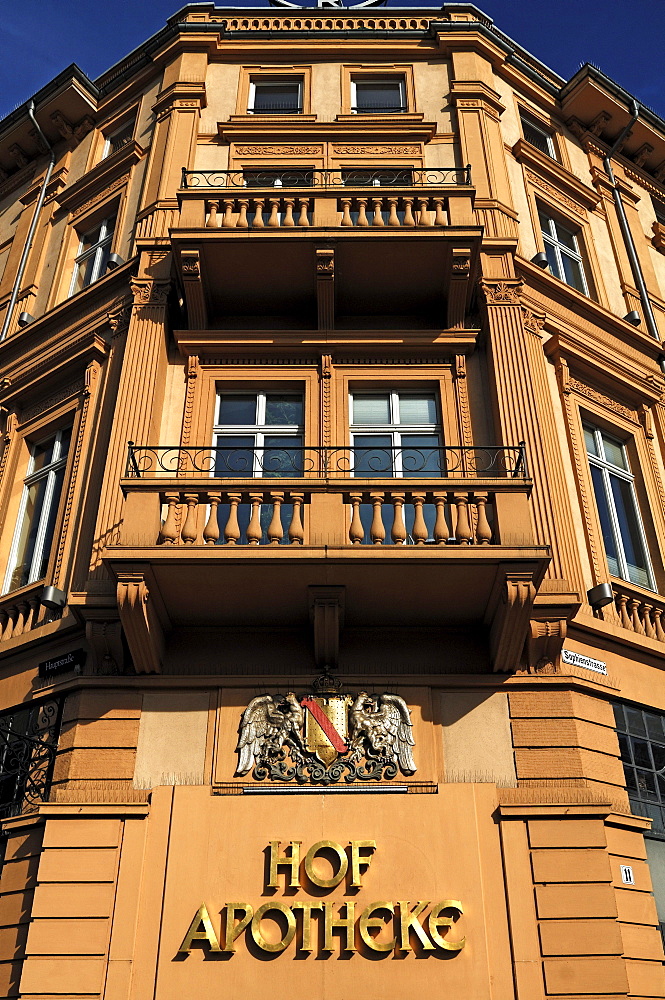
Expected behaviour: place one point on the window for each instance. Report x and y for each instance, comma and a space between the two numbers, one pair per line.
395, 434
93, 255
563, 252
537, 136
642, 743
275, 96
613, 484
118, 138
258, 435
35, 527
659, 209
284, 177
374, 96
377, 176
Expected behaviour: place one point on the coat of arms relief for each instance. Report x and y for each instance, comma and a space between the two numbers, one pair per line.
325, 737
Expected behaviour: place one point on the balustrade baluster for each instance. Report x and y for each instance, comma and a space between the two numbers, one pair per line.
393, 217
22, 609
419, 531
441, 533
633, 612
296, 532
212, 222
258, 222
169, 531
188, 532
232, 528
356, 530
424, 216
227, 221
362, 214
622, 600
377, 532
211, 530
254, 527
273, 221
12, 616
243, 208
288, 212
346, 212
33, 613
483, 529
378, 217
408, 212
646, 618
398, 530
275, 529
657, 627
4, 619
303, 218
439, 214
462, 527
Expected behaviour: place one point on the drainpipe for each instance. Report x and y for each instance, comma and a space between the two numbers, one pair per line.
33, 224
625, 229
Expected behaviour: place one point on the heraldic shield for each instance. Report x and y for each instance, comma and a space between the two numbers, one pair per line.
325, 736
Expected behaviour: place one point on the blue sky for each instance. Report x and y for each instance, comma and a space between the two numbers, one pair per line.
38, 38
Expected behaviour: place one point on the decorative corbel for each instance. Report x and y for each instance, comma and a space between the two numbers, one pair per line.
142, 614
509, 612
190, 263
552, 610
84, 126
600, 123
63, 125
19, 155
325, 287
659, 172
458, 288
645, 417
642, 154
325, 393
326, 612
533, 321
104, 639
119, 316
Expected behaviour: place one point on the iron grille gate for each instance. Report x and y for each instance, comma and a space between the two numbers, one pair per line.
28, 747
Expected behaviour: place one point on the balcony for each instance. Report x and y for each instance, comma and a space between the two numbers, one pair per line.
451, 536
416, 274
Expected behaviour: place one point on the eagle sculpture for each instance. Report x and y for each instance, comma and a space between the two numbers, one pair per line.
266, 727
381, 727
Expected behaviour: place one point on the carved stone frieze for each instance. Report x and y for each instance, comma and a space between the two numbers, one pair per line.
274, 150
376, 150
192, 372
555, 193
119, 316
325, 263
147, 292
325, 379
534, 322
100, 196
600, 123
599, 397
57, 397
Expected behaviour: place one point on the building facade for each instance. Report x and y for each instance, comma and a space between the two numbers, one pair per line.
332, 519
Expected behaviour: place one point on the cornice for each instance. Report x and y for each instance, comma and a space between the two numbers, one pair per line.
409, 128
181, 94
107, 176
478, 93
552, 177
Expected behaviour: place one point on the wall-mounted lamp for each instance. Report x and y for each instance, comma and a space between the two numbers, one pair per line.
25, 318
661, 362
53, 598
540, 260
600, 596
115, 260
633, 317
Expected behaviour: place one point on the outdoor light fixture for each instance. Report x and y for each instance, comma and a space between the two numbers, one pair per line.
600, 596
633, 317
25, 318
115, 260
540, 260
53, 598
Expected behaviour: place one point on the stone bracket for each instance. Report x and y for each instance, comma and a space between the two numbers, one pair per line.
552, 610
192, 279
325, 287
509, 613
143, 619
459, 288
326, 612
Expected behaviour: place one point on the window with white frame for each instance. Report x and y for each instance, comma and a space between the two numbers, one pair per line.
276, 96
395, 434
118, 137
93, 255
38, 511
618, 512
563, 252
659, 210
258, 435
537, 135
375, 96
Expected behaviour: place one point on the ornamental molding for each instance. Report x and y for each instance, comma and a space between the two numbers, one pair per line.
502, 292
57, 397
574, 385
377, 150
554, 193
119, 316
147, 292
279, 150
534, 322
101, 195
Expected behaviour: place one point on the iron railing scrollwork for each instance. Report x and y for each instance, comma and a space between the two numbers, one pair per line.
309, 177
28, 748
292, 462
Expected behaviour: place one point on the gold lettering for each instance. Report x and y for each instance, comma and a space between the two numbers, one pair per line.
356, 860
368, 922
286, 940
194, 934
326, 883
306, 908
436, 922
340, 923
409, 921
292, 862
233, 929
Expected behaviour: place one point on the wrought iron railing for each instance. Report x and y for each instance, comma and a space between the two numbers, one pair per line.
314, 178
28, 747
292, 462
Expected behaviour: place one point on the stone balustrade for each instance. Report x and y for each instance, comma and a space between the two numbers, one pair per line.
22, 613
639, 612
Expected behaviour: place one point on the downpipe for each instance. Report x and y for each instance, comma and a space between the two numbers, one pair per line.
635, 265
33, 225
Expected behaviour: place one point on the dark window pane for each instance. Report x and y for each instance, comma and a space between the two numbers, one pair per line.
565, 236
237, 409
372, 455
28, 535
372, 409
605, 522
646, 784
65, 439
284, 410
421, 455
282, 456
618, 717
655, 726
641, 753
379, 96
42, 454
57, 477
536, 137
234, 455
630, 532
658, 753
635, 721
624, 746
572, 272
276, 98
376, 177
289, 177
553, 260
631, 780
